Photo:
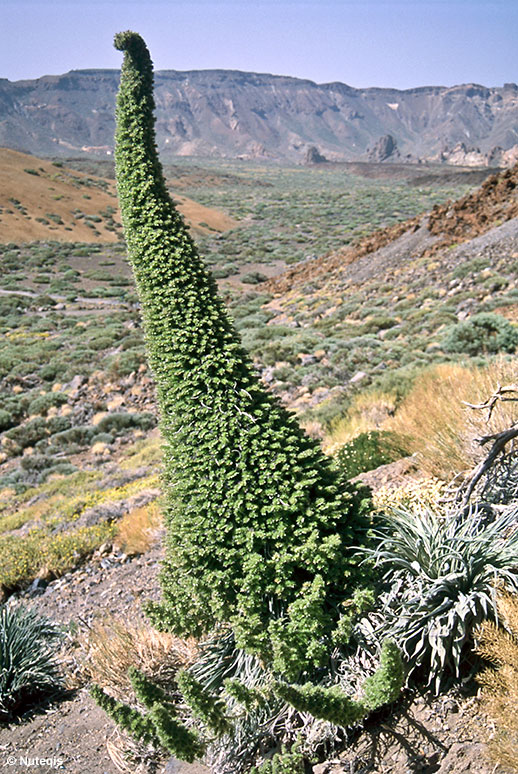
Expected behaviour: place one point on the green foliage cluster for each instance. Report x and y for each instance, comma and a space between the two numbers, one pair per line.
368, 451
29, 668
284, 762
484, 333
159, 726
204, 706
332, 704
258, 520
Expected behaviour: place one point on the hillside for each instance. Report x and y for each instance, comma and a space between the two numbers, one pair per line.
232, 114
43, 200
79, 449
447, 225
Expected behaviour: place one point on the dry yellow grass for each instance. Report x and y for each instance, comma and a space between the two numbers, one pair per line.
368, 411
112, 646
137, 530
499, 646
440, 428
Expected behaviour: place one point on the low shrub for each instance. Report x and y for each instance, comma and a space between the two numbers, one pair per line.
368, 451
28, 433
28, 664
253, 278
21, 558
120, 421
6, 420
42, 403
483, 334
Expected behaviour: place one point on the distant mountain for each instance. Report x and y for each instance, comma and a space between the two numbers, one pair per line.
227, 113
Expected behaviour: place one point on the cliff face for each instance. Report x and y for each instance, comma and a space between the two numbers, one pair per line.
236, 114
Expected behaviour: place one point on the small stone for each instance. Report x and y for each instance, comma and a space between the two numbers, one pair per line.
358, 377
115, 403
100, 449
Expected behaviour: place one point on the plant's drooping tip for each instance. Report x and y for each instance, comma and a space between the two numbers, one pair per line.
128, 41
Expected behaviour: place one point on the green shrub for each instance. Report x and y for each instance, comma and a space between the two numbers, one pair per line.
204, 706
330, 704
131, 720
368, 451
29, 667
127, 362
259, 522
120, 421
42, 403
6, 420
483, 334
80, 434
284, 762
29, 433
159, 727
253, 278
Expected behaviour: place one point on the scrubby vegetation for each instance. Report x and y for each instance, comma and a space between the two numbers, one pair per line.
304, 622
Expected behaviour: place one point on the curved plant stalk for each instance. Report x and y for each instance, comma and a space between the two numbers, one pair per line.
258, 521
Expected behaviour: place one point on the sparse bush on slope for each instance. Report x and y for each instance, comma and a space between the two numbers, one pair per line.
259, 524
483, 334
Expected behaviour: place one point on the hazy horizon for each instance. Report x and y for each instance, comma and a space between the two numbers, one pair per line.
379, 43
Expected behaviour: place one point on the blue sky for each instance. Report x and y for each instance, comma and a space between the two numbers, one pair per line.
401, 43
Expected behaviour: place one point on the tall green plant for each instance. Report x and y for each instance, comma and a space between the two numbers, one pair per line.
258, 522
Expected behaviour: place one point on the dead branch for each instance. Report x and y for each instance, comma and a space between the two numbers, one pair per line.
498, 447
497, 396
500, 440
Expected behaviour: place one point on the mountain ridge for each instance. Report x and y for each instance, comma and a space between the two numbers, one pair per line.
240, 114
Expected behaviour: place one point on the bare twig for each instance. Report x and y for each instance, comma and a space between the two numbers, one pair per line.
498, 395
500, 440
498, 447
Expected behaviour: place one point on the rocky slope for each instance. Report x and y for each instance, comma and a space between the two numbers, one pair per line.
448, 225
237, 114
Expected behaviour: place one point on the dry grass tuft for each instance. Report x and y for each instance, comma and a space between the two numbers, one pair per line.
440, 428
368, 411
499, 646
112, 646
429, 492
137, 530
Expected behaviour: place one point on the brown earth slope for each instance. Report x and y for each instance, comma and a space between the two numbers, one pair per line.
450, 224
41, 200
